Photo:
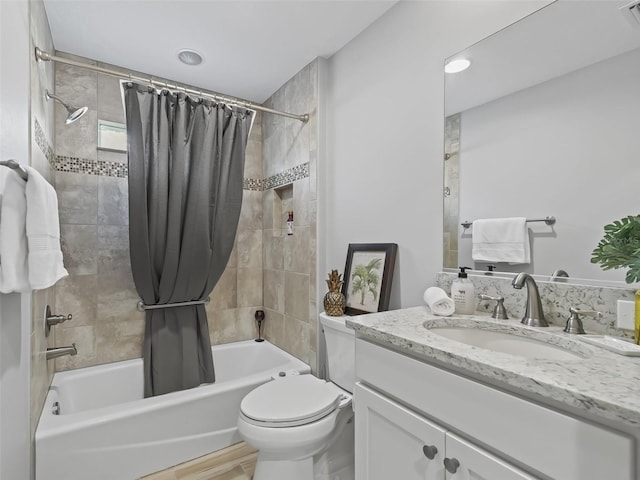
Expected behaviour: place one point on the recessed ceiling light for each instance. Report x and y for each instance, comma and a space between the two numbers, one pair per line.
458, 65
190, 57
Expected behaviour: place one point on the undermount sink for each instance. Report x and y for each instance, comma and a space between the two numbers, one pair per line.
512, 340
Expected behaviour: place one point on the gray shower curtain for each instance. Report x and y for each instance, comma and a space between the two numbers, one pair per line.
186, 163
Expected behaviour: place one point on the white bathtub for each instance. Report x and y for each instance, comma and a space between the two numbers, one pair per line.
106, 430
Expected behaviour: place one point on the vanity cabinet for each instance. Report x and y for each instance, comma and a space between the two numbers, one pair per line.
403, 403
395, 442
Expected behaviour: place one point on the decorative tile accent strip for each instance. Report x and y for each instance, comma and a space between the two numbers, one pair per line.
288, 176
117, 169
91, 167
252, 184
41, 141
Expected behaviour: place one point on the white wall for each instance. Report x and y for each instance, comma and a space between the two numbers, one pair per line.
385, 124
15, 308
560, 148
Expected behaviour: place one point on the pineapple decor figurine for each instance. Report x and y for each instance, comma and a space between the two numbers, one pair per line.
334, 299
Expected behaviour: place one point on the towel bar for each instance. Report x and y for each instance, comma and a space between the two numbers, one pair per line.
15, 166
548, 220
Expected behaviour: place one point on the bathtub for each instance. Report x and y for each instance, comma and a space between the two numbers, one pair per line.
96, 425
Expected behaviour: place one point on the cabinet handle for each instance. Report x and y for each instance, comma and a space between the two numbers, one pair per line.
429, 451
451, 465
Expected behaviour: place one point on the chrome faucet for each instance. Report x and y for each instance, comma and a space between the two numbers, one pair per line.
61, 351
557, 274
533, 314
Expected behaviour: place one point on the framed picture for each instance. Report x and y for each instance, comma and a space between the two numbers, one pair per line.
367, 277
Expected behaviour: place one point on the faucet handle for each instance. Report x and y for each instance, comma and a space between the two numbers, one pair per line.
489, 297
579, 311
499, 312
574, 322
50, 320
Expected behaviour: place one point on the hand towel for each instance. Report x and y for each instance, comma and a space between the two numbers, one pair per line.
438, 301
14, 276
501, 240
43, 233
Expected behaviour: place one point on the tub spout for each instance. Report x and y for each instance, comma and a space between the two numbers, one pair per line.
61, 351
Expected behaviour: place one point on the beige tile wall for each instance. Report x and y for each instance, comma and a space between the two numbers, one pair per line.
99, 291
267, 269
290, 260
451, 190
42, 136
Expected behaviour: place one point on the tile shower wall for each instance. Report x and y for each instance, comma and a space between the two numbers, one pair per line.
42, 136
93, 201
289, 169
451, 190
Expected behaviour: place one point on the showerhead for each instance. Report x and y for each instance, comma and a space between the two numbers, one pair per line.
74, 113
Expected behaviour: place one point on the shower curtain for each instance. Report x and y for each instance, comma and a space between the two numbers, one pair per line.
186, 163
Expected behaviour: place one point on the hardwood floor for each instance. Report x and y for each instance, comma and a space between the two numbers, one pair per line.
237, 462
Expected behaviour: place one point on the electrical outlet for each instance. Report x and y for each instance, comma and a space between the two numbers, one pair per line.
626, 315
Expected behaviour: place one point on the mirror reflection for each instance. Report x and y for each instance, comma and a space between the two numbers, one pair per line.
544, 122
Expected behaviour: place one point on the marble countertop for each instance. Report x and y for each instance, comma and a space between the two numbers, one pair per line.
598, 382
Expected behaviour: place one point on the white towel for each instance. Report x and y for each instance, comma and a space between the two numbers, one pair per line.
43, 232
14, 275
501, 240
438, 301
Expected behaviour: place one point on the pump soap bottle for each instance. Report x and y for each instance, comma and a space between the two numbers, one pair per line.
463, 293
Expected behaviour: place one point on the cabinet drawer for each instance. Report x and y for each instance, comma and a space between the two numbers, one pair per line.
555, 444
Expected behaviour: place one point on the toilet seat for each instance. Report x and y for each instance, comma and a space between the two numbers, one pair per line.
291, 401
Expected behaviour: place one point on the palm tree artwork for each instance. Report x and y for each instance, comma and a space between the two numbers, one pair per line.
365, 279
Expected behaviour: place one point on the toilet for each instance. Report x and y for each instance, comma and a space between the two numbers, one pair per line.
297, 421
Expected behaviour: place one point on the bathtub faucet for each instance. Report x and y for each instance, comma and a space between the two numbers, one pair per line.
61, 351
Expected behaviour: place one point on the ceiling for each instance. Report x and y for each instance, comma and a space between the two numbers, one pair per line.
250, 47
576, 35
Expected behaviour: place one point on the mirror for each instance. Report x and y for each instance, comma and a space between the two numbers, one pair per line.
545, 122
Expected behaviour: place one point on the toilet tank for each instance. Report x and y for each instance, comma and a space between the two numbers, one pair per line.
340, 341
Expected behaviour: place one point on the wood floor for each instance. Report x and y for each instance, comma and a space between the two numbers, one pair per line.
237, 462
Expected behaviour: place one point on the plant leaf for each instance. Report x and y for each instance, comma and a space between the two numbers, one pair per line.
620, 247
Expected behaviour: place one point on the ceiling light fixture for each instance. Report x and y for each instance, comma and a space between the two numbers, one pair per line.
458, 65
190, 57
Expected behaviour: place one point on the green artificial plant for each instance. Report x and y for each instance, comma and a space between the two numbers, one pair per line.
620, 247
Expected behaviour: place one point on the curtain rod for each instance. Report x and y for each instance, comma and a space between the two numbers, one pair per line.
47, 57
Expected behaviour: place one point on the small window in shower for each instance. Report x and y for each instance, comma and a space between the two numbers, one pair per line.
112, 136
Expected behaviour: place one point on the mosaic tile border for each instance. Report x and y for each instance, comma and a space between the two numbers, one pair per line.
121, 170
288, 176
43, 143
253, 184
91, 167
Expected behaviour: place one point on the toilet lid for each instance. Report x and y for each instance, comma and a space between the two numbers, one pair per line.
291, 401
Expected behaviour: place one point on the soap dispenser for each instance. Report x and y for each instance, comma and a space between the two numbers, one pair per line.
463, 293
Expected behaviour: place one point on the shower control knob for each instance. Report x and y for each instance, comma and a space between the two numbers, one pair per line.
50, 320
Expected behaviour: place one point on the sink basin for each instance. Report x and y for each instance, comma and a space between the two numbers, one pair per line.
509, 341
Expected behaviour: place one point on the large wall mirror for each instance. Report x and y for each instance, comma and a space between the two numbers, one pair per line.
546, 122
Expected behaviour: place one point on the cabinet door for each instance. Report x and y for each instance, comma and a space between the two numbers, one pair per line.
392, 442
470, 462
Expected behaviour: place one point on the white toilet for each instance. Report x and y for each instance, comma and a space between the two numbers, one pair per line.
293, 419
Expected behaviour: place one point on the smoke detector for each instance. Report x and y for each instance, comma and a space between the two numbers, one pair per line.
632, 13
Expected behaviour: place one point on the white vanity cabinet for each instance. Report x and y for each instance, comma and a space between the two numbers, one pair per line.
394, 442
494, 435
